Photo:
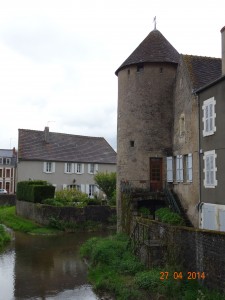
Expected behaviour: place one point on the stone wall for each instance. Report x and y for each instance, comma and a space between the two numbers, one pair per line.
7, 200
41, 213
193, 250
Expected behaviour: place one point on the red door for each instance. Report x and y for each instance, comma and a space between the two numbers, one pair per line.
156, 182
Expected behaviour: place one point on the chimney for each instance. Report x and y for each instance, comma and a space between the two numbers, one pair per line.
223, 49
46, 132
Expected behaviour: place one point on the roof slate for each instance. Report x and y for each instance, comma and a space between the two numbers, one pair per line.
64, 147
202, 69
154, 48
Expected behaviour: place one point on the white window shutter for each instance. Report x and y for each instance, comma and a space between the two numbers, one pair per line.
72, 168
96, 168
65, 168
64, 186
89, 168
190, 167
53, 167
169, 169
82, 168
96, 190
181, 169
82, 187
44, 167
87, 189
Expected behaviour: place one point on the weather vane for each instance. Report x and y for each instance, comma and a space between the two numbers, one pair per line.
154, 21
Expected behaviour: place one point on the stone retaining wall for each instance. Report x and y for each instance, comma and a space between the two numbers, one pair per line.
7, 200
42, 213
195, 250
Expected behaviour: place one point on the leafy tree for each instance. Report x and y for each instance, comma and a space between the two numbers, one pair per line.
106, 182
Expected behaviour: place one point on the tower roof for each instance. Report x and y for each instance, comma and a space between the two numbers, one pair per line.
154, 48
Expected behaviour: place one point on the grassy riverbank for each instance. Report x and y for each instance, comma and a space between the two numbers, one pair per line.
10, 219
113, 268
4, 237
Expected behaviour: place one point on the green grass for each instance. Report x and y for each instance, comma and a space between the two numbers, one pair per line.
113, 268
4, 237
10, 219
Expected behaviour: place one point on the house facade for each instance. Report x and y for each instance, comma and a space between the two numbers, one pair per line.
158, 121
8, 160
212, 150
64, 160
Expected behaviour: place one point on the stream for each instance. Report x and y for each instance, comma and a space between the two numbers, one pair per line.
45, 267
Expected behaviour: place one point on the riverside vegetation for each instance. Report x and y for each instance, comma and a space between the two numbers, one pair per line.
114, 268
4, 237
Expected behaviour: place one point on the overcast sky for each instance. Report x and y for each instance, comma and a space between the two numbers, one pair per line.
58, 57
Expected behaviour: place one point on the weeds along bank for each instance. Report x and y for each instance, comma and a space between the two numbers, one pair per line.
114, 268
4, 237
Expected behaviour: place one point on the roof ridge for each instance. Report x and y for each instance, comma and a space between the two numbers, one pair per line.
203, 56
50, 132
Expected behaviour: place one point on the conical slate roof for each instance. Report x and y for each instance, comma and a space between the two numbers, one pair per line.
154, 48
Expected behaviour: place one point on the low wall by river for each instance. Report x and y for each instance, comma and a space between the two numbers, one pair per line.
199, 252
7, 200
42, 213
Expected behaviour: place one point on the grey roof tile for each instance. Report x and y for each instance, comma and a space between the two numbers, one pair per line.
64, 147
202, 69
154, 48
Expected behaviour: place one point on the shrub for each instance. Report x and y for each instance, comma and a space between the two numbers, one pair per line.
71, 197
144, 211
167, 216
34, 191
106, 182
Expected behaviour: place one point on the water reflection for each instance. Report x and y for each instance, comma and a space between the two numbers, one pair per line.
45, 267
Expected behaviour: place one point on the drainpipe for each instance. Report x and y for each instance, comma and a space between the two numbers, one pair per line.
199, 206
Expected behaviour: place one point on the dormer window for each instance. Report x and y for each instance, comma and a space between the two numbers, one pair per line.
140, 68
8, 161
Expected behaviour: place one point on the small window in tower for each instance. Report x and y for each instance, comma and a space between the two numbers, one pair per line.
132, 143
140, 68
161, 70
128, 71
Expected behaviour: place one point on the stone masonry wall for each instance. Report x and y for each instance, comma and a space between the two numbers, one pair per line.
41, 213
194, 250
7, 200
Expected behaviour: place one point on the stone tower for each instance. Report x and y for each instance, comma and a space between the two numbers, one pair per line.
145, 116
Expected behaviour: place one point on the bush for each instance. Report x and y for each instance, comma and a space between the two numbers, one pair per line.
34, 191
144, 211
106, 182
167, 216
71, 197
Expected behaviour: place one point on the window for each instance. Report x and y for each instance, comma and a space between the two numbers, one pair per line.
1, 173
140, 68
68, 168
79, 168
49, 167
91, 190
132, 143
188, 167
179, 168
210, 169
1, 160
92, 168
209, 117
182, 125
7, 161
169, 169
7, 173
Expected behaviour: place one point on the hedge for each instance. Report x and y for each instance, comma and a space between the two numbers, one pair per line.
34, 191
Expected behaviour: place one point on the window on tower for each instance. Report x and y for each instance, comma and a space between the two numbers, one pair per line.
140, 68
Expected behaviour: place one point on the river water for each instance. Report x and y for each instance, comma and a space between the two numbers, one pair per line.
45, 267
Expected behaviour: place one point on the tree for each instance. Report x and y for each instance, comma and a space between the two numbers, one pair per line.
106, 182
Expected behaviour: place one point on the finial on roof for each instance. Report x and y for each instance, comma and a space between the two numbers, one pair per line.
154, 20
